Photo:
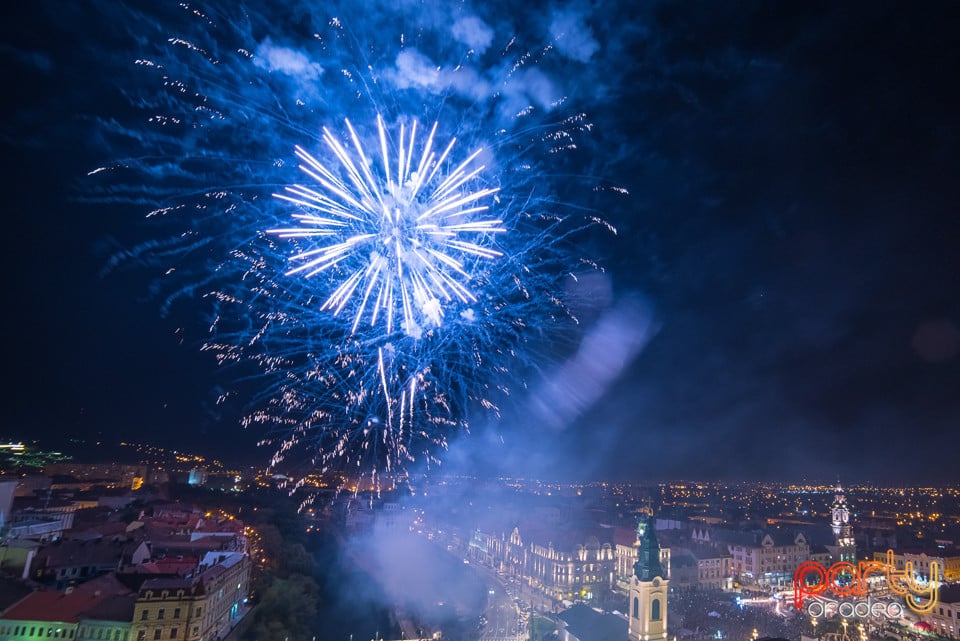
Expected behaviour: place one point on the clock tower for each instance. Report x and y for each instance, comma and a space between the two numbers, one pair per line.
842, 529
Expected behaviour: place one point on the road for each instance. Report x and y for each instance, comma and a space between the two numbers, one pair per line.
504, 619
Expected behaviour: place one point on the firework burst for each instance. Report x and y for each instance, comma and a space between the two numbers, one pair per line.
405, 242
414, 278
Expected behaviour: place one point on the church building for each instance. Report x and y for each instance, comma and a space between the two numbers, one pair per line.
648, 588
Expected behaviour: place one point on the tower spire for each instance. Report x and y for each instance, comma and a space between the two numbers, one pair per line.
648, 554
648, 588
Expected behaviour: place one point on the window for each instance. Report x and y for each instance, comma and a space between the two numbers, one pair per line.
199, 609
655, 610
143, 615
176, 613
173, 633
40, 632
156, 634
636, 608
141, 635
160, 614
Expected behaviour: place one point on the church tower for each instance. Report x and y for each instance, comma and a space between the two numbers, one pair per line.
842, 530
647, 603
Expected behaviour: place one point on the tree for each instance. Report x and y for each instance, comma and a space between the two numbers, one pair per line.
286, 612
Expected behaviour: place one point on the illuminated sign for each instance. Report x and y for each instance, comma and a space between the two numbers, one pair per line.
857, 609
847, 580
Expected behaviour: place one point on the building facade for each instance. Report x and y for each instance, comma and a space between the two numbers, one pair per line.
771, 561
577, 572
947, 561
205, 606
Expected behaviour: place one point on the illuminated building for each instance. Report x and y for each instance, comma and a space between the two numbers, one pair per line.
647, 601
842, 529
204, 606
947, 560
197, 477
570, 564
945, 618
767, 558
709, 568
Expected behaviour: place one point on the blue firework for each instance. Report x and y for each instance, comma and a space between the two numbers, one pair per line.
406, 278
404, 231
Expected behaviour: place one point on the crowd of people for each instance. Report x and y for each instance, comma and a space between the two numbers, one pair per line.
699, 615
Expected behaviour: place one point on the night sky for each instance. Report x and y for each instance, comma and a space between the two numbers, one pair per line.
791, 235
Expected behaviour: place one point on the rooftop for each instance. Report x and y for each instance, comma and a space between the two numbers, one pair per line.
586, 624
66, 605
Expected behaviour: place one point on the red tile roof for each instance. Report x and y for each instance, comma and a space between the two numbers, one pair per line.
66, 605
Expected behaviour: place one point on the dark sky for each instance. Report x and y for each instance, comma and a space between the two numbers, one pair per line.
791, 229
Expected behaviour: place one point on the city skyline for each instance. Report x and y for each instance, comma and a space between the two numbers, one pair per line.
787, 248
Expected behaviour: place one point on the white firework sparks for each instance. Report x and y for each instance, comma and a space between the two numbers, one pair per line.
403, 232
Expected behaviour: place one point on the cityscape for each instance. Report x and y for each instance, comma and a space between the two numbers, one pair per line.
401, 320
174, 546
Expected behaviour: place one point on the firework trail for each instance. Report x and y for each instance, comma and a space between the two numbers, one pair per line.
375, 228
